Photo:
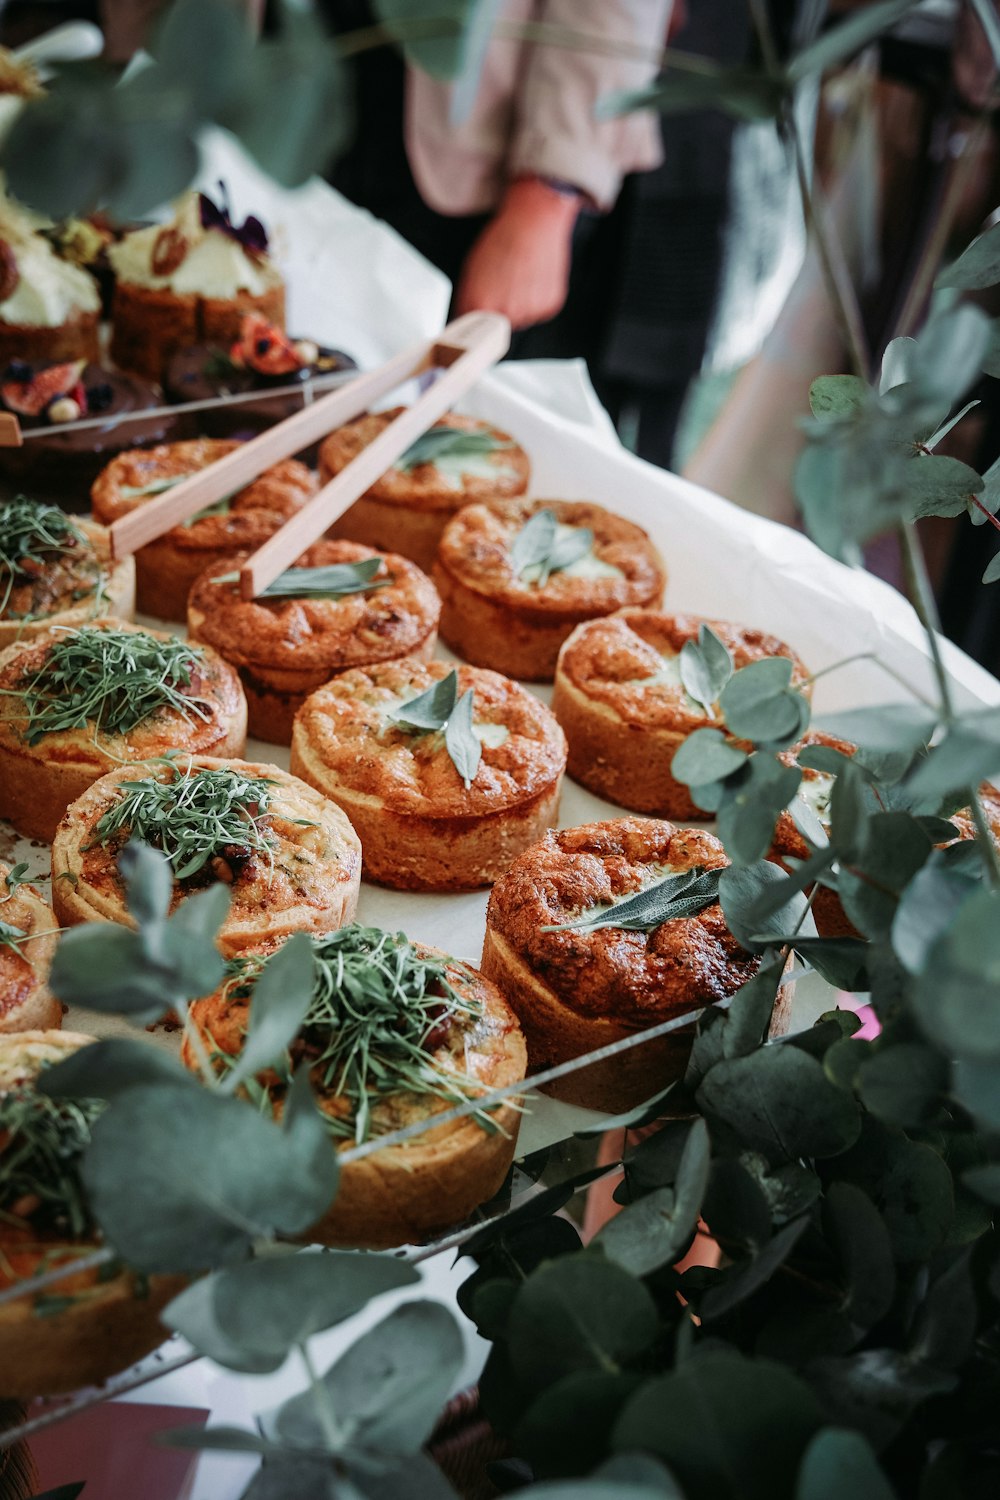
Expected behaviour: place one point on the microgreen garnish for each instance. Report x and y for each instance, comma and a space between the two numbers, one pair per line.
449, 442
154, 487
41, 1143
112, 679
194, 817
676, 896
332, 582
379, 1008
15, 877
441, 710
538, 549
33, 537
706, 667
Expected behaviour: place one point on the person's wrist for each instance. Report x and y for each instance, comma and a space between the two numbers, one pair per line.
551, 197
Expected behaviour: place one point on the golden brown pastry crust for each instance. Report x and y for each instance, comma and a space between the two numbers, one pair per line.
309, 884
407, 511
26, 1002
284, 649
114, 599
438, 1178
623, 726
76, 338
38, 782
149, 324
167, 567
493, 619
420, 828
574, 991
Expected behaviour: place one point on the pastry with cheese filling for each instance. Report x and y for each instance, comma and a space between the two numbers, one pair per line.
516, 578
395, 1034
429, 819
91, 1324
167, 567
620, 698
458, 461
577, 980
340, 606
57, 570
291, 859
27, 946
77, 703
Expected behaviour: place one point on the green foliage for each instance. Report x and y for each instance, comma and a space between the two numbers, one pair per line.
441, 711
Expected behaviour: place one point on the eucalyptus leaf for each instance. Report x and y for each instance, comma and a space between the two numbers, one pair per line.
566, 1430
909, 1184
833, 396
671, 899
249, 1317
969, 752
109, 1067
759, 703
149, 881
839, 1462
281, 998
720, 1415
875, 1390
858, 1236
705, 756
740, 92
780, 1103
735, 1208
751, 805
578, 1313
887, 728
976, 1086
745, 1277
957, 994
978, 265
741, 890
387, 1390
940, 486
654, 1231
705, 667
897, 363
215, 1176
848, 813
749, 1015
926, 909
842, 962
896, 847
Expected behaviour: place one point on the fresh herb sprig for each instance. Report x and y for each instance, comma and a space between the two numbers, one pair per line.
379, 1009
332, 582
676, 896
32, 536
11, 936
440, 710
41, 1143
192, 818
111, 679
539, 550
449, 442
154, 487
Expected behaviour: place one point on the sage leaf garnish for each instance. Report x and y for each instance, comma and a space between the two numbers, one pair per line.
11, 936
539, 549
332, 582
379, 1008
706, 667
111, 679
448, 442
154, 487
440, 710
194, 817
16, 877
674, 897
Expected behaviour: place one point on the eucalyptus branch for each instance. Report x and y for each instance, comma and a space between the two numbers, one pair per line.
922, 599
324, 1411
987, 513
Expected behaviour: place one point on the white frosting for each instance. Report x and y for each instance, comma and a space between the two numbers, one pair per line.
215, 265
49, 290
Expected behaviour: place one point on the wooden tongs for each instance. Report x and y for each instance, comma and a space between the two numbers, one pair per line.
463, 350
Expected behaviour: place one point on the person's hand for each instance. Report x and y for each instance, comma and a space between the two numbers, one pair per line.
519, 265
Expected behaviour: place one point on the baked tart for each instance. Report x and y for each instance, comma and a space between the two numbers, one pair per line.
187, 282
167, 567
620, 698
395, 1034
49, 307
457, 461
446, 798
77, 703
291, 859
91, 1324
27, 946
516, 578
577, 977
56, 571
340, 606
